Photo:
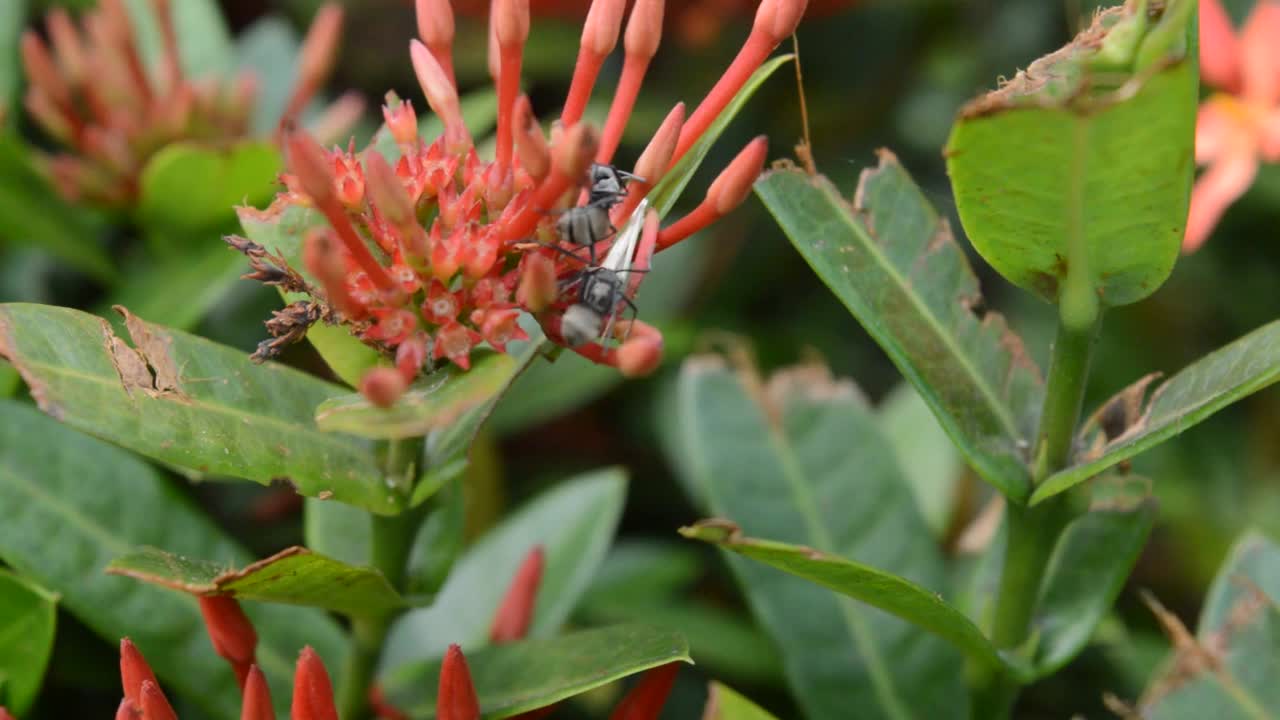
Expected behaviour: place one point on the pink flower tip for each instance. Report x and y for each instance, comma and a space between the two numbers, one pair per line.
538, 285
734, 184
134, 671
314, 172
575, 150
510, 22
401, 120
655, 159
515, 614
456, 698
154, 705
383, 386
601, 28
435, 23
641, 354
779, 18
644, 28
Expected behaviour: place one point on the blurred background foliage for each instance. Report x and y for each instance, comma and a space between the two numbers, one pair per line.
888, 73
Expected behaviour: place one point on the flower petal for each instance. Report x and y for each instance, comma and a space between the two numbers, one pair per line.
1222, 184
1216, 129
1260, 54
1219, 47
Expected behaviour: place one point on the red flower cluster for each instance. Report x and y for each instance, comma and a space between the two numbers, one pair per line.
234, 639
440, 252
89, 90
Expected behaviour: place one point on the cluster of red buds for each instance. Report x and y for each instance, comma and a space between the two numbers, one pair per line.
695, 22
89, 89
234, 639
490, 247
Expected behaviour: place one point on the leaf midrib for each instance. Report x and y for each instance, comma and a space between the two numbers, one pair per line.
995, 404
876, 672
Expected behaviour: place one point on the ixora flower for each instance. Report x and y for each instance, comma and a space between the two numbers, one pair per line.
1239, 127
89, 90
490, 246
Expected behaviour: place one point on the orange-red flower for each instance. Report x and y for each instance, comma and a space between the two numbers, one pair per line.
490, 246
1239, 127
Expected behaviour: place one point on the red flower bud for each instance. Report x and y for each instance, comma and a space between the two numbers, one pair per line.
515, 614
383, 386
256, 704
456, 699
155, 706
312, 690
4, 713
231, 633
125, 711
641, 354
646, 699
134, 670
402, 121
538, 285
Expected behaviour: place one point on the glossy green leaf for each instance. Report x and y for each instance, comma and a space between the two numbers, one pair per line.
1088, 568
1230, 671
435, 402
204, 40
295, 576
893, 263
1198, 391
573, 521
282, 233
928, 459
75, 503
34, 215
801, 459
664, 195
269, 49
12, 16
28, 617
1073, 178
189, 187
179, 291
516, 677
723, 703
189, 402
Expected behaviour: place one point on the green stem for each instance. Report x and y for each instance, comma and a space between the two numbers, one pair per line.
391, 541
1033, 532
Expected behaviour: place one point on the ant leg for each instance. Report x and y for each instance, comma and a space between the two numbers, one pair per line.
635, 314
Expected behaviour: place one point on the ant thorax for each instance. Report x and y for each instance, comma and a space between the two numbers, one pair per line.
601, 291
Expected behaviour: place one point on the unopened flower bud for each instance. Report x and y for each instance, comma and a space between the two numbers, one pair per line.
779, 18
231, 632
456, 698
538, 285
134, 670
308, 162
531, 146
515, 614
441, 96
646, 699
401, 120
256, 701
641, 354
603, 24
312, 690
734, 184
387, 193
644, 28
125, 711
154, 705
575, 151
383, 386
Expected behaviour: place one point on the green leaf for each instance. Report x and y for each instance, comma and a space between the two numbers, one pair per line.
517, 677
1088, 568
189, 402
434, 402
187, 187
929, 461
723, 703
28, 616
179, 291
282, 233
204, 40
801, 459
891, 593
664, 195
574, 522
1117, 431
269, 49
12, 16
35, 216
295, 576
893, 263
64, 530
1073, 178
1229, 671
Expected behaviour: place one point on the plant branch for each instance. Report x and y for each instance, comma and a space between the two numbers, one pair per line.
391, 541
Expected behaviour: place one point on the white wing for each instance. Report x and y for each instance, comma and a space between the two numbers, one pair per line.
623, 251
